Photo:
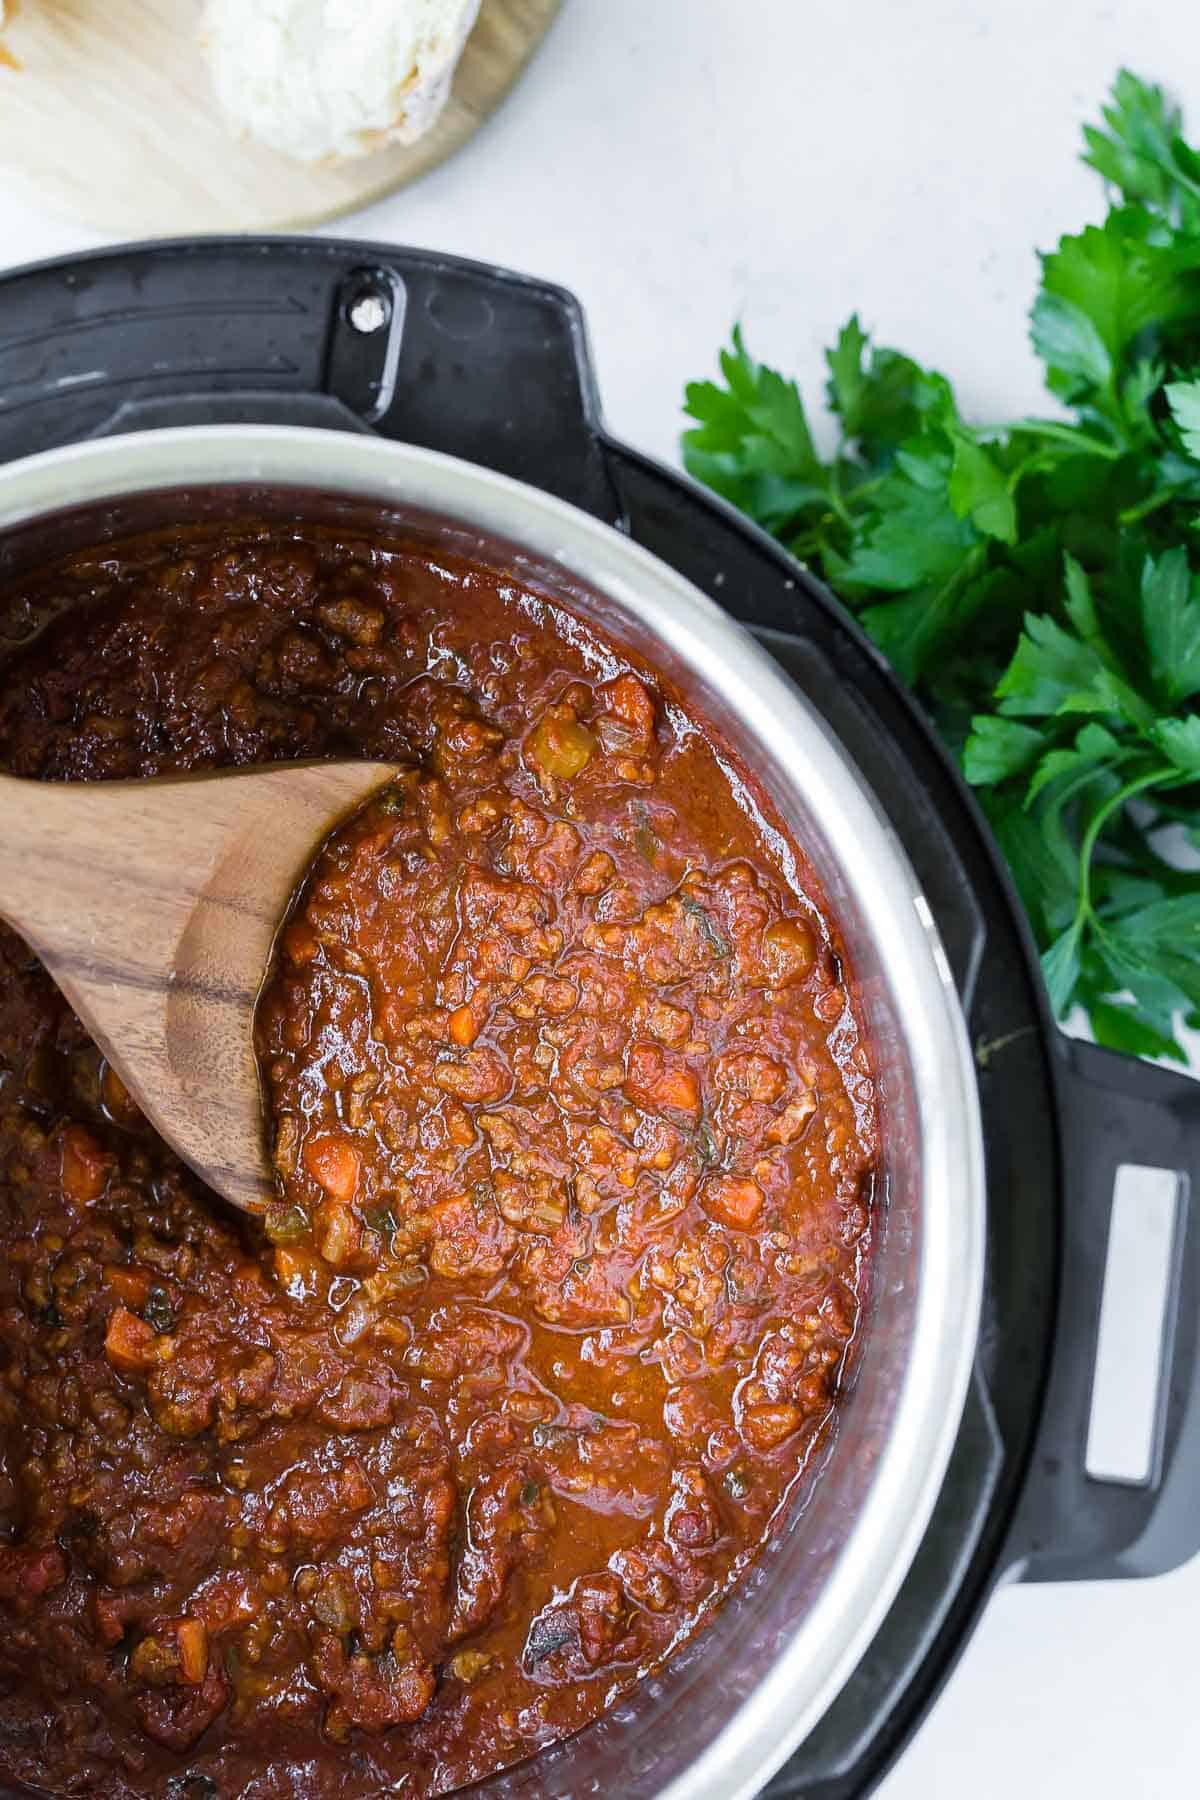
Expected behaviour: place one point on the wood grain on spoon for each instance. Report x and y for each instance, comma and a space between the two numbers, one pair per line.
154, 905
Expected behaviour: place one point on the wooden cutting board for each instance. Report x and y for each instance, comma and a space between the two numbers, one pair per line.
106, 116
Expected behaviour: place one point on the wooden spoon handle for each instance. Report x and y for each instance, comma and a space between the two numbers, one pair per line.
154, 905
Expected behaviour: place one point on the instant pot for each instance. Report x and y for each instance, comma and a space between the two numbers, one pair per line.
458, 400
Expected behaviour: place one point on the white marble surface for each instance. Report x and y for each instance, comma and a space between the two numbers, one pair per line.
680, 163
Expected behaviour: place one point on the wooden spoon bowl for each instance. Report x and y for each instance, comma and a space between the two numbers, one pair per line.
154, 905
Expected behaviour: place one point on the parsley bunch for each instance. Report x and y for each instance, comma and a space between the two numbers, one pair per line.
1037, 582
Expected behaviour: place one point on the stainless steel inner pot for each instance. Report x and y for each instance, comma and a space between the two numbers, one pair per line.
726, 1711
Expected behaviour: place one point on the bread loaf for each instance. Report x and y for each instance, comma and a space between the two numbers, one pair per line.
324, 80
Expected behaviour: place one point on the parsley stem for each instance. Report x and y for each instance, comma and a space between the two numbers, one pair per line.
1038, 459
834, 491
1132, 514
1152, 778
867, 487
1065, 434
1181, 180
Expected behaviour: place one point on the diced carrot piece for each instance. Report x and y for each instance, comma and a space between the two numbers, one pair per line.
85, 1166
767, 1425
336, 1164
129, 1343
298, 1272
678, 1088
113, 1608
300, 943
459, 1128
669, 1024
192, 1637
131, 1286
117, 1098
651, 1082
463, 1029
734, 1200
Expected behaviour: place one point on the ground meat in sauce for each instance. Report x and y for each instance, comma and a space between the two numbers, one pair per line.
574, 1130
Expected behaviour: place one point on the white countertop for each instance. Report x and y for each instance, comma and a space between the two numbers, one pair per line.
683, 163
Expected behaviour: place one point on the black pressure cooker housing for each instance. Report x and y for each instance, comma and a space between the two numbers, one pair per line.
494, 368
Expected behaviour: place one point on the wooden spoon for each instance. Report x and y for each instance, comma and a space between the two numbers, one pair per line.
154, 905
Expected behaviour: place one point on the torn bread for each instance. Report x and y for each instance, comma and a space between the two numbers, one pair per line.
324, 80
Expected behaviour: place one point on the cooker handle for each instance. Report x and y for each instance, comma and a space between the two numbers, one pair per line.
433, 350
1143, 1520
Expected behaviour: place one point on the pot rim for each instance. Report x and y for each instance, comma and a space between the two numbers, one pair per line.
838, 1626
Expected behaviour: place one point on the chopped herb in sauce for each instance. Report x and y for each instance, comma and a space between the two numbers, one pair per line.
286, 1224
548, 1635
706, 1145
158, 1310
191, 1787
393, 801
715, 940
645, 838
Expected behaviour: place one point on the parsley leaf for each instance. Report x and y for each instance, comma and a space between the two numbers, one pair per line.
1069, 344
1050, 665
1038, 583
1143, 155
1183, 397
1122, 1028
919, 538
1171, 621
1179, 741
998, 748
1060, 966
847, 390
753, 443
980, 491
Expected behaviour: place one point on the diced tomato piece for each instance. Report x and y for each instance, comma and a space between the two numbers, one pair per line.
230, 1598
788, 951
463, 1029
44, 1570
85, 1166
192, 1637
733, 1200
336, 1164
626, 698
626, 727
356, 1492
113, 1609
29, 1573
129, 1343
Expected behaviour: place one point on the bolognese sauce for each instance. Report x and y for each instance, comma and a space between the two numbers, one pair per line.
574, 1128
